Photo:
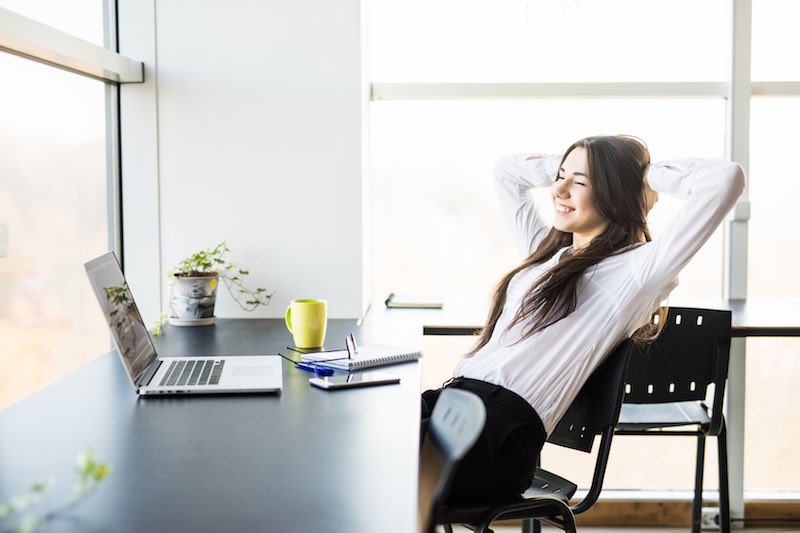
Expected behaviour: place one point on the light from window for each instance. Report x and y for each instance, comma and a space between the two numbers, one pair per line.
81, 18
775, 41
437, 226
552, 41
773, 365
53, 196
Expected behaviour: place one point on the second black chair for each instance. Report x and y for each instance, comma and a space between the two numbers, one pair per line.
667, 385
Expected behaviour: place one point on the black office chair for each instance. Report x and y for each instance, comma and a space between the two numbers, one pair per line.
594, 412
667, 385
455, 424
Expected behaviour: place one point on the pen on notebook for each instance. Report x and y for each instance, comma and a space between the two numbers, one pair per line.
318, 369
310, 367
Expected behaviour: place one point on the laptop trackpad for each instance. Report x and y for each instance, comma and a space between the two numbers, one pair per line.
253, 370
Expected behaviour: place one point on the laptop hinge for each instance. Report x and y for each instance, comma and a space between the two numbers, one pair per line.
149, 373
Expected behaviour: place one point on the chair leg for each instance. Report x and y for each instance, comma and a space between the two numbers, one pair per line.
724, 491
529, 525
569, 523
448, 528
697, 505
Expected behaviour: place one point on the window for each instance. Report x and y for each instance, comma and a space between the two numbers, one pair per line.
775, 40
80, 18
436, 224
54, 203
773, 365
432, 169
559, 41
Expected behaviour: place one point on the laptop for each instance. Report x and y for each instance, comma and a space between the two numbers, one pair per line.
153, 375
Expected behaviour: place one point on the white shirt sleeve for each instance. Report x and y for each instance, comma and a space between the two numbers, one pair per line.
710, 188
515, 176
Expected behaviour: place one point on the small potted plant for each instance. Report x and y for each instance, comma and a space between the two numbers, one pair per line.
193, 288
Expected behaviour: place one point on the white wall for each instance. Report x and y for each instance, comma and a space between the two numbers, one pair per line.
260, 108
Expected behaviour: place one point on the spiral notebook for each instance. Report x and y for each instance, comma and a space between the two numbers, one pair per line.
367, 356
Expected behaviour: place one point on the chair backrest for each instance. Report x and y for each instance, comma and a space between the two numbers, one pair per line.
597, 406
691, 352
455, 424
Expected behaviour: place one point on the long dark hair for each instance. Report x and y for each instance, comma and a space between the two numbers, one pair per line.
616, 167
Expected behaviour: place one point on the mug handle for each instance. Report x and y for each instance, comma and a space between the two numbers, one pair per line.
288, 318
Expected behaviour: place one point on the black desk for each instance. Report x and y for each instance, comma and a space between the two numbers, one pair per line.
305, 460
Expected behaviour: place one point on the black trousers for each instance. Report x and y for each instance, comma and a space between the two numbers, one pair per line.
503, 460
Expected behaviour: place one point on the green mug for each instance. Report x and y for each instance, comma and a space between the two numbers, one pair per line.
307, 320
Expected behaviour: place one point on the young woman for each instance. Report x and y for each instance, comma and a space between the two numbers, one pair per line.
591, 280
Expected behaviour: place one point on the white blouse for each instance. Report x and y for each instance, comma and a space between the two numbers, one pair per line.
615, 297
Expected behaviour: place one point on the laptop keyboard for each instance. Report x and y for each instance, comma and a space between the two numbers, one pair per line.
193, 372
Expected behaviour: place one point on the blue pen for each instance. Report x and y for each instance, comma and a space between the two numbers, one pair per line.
312, 367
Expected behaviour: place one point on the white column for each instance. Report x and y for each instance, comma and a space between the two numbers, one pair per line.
736, 245
141, 226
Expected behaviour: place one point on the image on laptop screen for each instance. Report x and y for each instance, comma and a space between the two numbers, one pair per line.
122, 315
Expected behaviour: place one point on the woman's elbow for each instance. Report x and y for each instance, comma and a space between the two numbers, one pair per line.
737, 178
730, 177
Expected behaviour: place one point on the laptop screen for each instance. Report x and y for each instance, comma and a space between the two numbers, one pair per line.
122, 315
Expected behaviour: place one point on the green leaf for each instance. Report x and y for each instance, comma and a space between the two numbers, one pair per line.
29, 524
5, 510
17, 504
103, 470
82, 461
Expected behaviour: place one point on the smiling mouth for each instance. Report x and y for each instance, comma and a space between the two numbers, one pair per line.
563, 209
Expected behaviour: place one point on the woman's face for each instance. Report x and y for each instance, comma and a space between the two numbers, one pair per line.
574, 203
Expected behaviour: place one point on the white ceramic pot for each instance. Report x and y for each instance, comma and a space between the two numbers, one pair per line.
192, 299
